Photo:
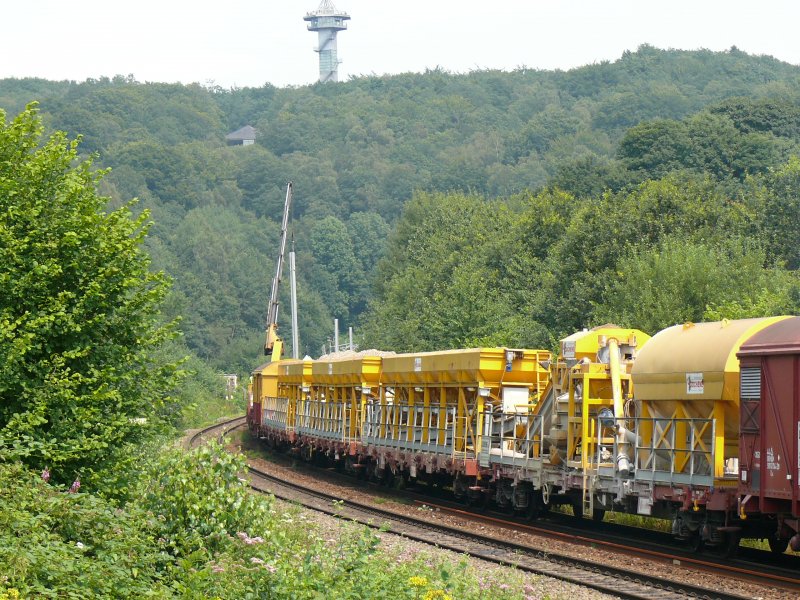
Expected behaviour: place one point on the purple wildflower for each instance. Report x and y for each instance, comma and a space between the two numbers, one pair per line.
248, 540
76, 485
46, 475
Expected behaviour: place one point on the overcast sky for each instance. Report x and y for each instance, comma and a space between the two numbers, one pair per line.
246, 43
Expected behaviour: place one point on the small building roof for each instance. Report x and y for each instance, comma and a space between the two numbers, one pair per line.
245, 133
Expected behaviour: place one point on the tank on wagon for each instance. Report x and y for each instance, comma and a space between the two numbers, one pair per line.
687, 381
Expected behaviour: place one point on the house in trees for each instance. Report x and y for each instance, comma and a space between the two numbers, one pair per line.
242, 137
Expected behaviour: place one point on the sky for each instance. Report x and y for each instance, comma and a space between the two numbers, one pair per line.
247, 43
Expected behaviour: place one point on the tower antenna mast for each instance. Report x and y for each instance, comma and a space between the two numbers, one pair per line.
327, 21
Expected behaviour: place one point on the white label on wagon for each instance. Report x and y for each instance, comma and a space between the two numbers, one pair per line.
694, 383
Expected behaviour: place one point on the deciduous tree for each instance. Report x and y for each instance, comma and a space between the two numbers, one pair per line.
80, 381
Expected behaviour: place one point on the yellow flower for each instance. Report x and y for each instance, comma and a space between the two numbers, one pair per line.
437, 595
417, 581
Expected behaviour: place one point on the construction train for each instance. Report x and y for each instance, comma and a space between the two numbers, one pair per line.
699, 424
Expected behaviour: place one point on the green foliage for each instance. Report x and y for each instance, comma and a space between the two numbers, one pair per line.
357, 151
542, 266
200, 499
777, 200
684, 281
55, 544
336, 273
711, 143
80, 381
441, 283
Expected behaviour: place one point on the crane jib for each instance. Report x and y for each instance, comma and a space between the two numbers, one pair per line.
272, 311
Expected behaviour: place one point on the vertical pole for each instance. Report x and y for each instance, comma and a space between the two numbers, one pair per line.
351, 337
295, 330
336, 335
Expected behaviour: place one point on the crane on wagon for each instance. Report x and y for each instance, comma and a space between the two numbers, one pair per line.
273, 346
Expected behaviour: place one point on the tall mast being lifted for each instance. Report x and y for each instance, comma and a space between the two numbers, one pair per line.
274, 344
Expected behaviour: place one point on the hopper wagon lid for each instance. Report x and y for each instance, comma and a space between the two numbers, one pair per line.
466, 366
260, 368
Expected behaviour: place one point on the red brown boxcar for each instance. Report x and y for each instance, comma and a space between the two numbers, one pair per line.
769, 449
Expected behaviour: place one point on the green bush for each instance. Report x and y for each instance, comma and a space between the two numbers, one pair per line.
196, 531
56, 544
200, 498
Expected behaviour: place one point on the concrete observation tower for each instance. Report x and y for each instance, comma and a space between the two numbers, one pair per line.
327, 22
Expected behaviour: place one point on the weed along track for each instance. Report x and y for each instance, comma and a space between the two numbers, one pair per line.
494, 545
624, 583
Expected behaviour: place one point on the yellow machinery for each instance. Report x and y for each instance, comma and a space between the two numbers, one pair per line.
265, 377
591, 385
333, 408
264, 384
435, 401
687, 385
592, 373
294, 382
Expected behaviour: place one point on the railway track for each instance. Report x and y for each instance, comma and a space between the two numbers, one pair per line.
753, 566
616, 581
633, 541
611, 580
759, 567
218, 430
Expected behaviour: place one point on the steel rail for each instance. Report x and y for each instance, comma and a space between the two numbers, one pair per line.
760, 568
623, 583
227, 426
729, 567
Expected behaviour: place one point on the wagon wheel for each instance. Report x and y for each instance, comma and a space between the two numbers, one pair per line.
481, 502
696, 542
508, 508
531, 513
778, 545
732, 544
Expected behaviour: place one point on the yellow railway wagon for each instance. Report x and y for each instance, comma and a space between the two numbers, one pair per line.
264, 385
339, 389
294, 382
435, 401
687, 382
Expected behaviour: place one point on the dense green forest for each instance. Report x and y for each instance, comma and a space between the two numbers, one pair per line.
432, 210
435, 210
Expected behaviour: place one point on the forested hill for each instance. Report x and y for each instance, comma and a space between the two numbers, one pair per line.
358, 150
